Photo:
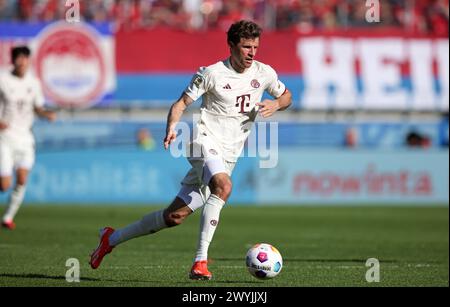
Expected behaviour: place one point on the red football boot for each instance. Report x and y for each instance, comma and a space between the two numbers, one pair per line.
200, 271
9, 225
103, 248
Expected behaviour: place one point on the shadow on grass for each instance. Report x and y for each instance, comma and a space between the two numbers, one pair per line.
42, 276
335, 260
238, 282
63, 278
209, 282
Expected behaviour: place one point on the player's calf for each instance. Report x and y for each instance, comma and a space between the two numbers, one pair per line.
176, 218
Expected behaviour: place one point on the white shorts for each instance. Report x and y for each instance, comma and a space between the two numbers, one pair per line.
15, 156
206, 158
195, 191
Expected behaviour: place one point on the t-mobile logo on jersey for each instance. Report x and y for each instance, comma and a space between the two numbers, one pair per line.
243, 102
262, 142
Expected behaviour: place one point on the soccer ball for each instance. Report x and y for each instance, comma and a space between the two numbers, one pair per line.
264, 261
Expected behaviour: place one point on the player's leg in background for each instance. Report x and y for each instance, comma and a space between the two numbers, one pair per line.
22, 157
17, 195
6, 166
6, 171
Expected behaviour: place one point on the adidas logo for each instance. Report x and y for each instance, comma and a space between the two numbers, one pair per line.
227, 87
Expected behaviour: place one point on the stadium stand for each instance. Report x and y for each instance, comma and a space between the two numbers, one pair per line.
418, 16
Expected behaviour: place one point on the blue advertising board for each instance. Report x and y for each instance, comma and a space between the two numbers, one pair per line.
301, 177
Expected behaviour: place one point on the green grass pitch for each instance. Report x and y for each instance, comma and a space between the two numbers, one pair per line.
321, 246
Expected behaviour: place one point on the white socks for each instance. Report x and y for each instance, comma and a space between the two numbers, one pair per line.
15, 200
149, 224
154, 222
208, 225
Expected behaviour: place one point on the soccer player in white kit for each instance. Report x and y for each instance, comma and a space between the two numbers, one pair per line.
231, 91
20, 98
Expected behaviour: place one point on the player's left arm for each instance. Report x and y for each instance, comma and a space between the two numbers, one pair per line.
268, 107
43, 113
39, 101
3, 117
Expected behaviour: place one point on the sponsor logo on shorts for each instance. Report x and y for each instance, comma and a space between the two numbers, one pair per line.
214, 223
213, 151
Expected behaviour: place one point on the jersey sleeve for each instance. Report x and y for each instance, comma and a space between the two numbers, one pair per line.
199, 84
275, 87
39, 98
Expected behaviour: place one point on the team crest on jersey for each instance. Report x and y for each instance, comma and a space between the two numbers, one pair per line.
255, 83
213, 151
198, 81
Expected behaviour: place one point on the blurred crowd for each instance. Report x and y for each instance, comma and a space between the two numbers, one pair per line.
417, 16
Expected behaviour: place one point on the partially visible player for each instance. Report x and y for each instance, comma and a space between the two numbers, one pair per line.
231, 91
20, 99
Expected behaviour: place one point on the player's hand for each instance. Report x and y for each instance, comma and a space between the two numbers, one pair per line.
268, 107
170, 137
3, 126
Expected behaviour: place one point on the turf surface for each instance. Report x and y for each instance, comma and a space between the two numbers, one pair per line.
322, 246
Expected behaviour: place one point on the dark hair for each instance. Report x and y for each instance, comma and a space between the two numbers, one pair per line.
243, 29
19, 50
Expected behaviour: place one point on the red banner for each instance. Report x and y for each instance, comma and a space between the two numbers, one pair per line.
171, 51
157, 51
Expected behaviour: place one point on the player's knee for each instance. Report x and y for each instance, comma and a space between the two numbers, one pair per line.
5, 186
222, 187
22, 176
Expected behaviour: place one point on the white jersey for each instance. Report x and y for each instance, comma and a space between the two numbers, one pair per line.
18, 98
229, 102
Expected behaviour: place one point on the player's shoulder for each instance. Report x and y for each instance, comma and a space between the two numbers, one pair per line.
5, 80
263, 68
214, 69
5, 76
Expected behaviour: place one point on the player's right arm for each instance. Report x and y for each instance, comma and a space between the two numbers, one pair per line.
175, 113
199, 85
